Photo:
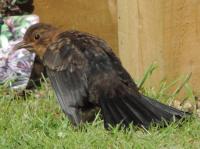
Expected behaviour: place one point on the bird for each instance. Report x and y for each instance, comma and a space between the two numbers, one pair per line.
87, 76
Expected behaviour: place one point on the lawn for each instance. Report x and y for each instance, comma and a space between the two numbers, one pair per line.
37, 122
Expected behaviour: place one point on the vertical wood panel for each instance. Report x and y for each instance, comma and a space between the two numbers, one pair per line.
182, 39
167, 31
140, 35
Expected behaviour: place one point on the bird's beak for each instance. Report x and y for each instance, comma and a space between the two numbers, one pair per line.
24, 45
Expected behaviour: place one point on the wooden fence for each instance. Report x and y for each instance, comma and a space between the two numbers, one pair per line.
140, 31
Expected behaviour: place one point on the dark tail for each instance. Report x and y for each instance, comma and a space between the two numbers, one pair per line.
125, 108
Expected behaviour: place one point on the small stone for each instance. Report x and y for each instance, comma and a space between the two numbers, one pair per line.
187, 106
198, 112
177, 104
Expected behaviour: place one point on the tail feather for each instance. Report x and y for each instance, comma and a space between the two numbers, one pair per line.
165, 108
108, 117
114, 114
118, 116
139, 110
123, 115
133, 113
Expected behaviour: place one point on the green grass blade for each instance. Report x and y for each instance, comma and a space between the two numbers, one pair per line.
147, 74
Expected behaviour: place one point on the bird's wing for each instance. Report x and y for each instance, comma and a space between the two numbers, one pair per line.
65, 68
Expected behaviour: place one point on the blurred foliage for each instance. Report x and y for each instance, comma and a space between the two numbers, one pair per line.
11, 30
15, 7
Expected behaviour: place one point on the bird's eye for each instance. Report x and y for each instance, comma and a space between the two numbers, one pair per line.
37, 36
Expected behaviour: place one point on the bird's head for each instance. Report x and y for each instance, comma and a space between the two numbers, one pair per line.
37, 38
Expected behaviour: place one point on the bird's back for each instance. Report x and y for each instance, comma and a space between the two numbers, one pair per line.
101, 60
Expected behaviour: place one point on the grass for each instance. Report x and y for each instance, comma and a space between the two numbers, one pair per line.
38, 122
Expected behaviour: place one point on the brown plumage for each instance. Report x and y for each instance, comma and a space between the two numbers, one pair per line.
86, 75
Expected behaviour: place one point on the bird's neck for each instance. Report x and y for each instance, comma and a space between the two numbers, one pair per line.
42, 48
40, 51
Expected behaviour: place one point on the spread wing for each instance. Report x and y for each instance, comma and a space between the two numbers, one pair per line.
65, 69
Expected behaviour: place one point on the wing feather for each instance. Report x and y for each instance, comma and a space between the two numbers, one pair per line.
66, 71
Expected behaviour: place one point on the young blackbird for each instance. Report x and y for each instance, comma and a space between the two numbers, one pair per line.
86, 75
